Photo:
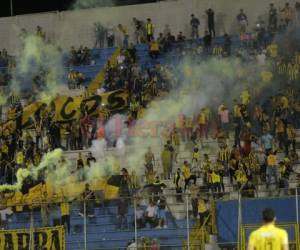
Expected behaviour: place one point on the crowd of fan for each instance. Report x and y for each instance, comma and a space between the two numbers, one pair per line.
261, 130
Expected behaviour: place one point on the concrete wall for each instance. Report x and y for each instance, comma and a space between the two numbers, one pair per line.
75, 27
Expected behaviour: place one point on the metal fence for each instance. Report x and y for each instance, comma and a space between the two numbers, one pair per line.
167, 219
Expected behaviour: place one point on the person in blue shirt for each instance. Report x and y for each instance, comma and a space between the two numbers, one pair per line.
267, 142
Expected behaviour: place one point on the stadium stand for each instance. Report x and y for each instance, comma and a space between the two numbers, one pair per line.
245, 148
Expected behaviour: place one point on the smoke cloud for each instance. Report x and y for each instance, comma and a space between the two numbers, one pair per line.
36, 57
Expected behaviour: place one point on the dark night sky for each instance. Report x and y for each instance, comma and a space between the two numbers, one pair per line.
32, 6
35, 6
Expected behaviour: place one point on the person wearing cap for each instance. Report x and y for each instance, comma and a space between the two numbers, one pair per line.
186, 170
268, 236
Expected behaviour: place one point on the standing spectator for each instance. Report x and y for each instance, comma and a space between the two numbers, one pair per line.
186, 170
178, 180
122, 213
194, 190
110, 36
162, 217
195, 27
123, 29
166, 158
138, 30
287, 12
100, 31
211, 22
149, 30
272, 170
291, 138
87, 199
272, 18
267, 141
242, 20
140, 220
224, 119
149, 160
65, 214
90, 159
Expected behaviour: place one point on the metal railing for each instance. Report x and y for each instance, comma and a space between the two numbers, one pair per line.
98, 223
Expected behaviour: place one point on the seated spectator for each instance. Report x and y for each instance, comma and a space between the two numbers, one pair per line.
151, 214
154, 49
248, 190
85, 56
207, 39
203, 210
5, 214
180, 37
155, 245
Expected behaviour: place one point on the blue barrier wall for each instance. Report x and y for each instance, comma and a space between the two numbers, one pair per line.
227, 214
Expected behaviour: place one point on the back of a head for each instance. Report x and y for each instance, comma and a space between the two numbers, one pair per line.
268, 215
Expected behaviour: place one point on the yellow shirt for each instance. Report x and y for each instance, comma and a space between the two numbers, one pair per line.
266, 76
273, 50
215, 177
237, 111
188, 122
20, 157
202, 118
64, 208
154, 46
186, 172
201, 206
271, 160
284, 102
196, 156
268, 237
245, 97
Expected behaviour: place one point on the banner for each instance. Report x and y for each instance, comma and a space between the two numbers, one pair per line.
68, 108
48, 238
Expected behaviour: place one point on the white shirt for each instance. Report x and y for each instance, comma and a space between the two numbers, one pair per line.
261, 59
5, 212
120, 59
151, 211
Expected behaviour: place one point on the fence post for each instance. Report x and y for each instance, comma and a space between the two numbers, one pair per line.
297, 207
187, 221
135, 224
239, 219
31, 241
84, 223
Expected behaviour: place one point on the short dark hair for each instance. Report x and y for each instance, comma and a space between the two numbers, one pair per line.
268, 215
